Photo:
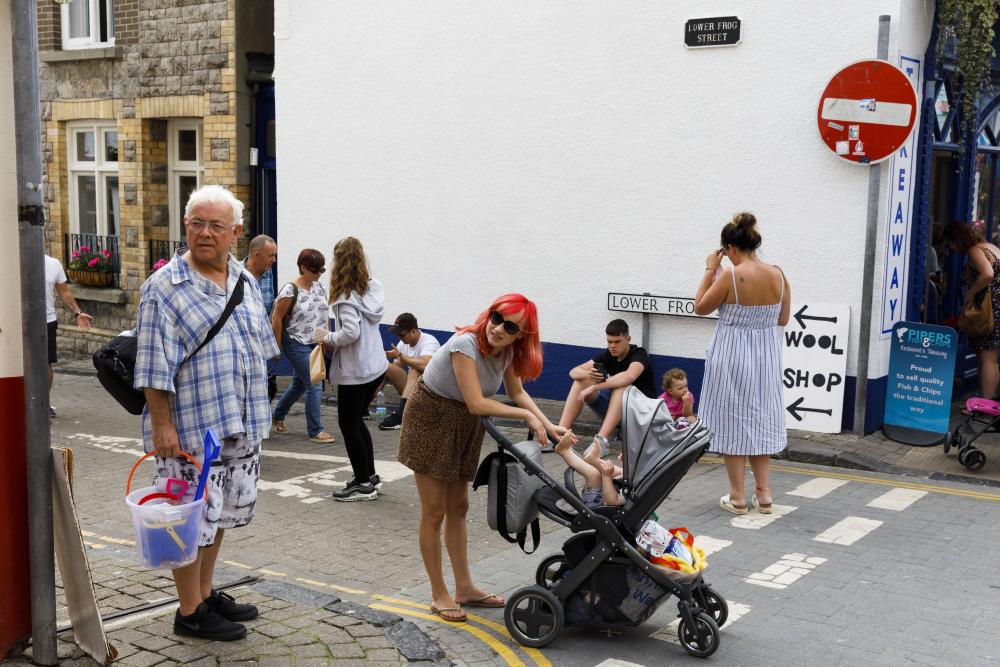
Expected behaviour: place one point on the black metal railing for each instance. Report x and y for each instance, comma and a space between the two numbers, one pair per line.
162, 250
95, 245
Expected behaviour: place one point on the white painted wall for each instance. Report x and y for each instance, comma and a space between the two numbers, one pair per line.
11, 357
567, 149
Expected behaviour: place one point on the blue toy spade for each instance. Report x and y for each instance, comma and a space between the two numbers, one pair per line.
212, 448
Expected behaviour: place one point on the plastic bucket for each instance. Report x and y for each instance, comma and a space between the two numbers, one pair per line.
166, 534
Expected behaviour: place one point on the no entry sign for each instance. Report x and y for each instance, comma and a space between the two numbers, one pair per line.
867, 111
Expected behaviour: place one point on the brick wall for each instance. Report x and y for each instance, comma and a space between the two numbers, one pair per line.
49, 36
126, 22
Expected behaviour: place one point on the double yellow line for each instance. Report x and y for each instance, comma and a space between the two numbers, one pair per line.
408, 608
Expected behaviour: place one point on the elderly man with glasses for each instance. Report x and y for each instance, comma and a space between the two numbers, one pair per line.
220, 386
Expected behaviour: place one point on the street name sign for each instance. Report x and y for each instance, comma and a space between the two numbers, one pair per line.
814, 365
649, 304
714, 31
918, 389
867, 111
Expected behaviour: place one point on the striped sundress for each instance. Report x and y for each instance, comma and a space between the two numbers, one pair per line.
741, 398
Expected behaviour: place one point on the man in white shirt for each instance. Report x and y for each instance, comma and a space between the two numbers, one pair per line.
409, 359
55, 278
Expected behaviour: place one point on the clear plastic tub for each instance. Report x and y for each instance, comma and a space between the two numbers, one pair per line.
166, 535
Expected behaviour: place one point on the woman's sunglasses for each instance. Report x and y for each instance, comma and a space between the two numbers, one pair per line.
510, 328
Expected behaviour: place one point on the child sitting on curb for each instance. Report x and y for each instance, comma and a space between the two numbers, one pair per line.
680, 401
599, 489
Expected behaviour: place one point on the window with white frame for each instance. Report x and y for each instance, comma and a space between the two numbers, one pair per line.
88, 24
92, 151
184, 169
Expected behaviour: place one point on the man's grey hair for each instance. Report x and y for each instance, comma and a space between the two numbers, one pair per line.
259, 242
215, 194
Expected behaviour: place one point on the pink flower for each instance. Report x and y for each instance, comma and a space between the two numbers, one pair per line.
76, 255
106, 253
85, 248
92, 263
160, 263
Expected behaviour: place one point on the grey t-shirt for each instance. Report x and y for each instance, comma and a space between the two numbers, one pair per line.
439, 376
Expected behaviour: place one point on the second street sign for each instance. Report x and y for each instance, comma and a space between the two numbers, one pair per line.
714, 31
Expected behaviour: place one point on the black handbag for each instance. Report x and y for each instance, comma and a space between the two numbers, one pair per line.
115, 362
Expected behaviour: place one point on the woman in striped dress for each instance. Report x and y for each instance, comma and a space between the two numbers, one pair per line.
742, 393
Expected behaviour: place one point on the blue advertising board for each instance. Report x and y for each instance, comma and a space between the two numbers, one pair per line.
921, 376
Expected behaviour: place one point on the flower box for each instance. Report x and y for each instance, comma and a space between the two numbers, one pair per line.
91, 278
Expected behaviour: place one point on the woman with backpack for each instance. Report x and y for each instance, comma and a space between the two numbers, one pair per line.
300, 310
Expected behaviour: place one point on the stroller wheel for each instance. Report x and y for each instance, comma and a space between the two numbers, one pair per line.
955, 440
550, 571
702, 640
973, 460
715, 605
534, 616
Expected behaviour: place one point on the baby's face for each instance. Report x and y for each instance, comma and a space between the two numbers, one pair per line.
677, 390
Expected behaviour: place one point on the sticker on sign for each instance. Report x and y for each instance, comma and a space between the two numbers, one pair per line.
814, 366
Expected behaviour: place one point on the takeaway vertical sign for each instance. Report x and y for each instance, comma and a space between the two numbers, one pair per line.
814, 365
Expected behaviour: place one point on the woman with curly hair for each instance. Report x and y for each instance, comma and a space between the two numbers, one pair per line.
443, 433
358, 364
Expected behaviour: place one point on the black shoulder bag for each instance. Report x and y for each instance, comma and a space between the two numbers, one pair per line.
115, 362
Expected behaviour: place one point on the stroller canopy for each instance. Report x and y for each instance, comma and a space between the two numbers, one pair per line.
650, 439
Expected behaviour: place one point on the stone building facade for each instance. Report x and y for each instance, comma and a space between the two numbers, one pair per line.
142, 100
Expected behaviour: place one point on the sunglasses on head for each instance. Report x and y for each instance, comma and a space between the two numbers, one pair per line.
320, 271
510, 328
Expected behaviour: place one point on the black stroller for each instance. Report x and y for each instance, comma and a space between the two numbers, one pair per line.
600, 579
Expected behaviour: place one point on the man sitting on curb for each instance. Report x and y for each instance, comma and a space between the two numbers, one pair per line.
601, 381
408, 360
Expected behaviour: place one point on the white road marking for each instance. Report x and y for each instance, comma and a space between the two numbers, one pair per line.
754, 520
848, 530
615, 662
817, 488
710, 545
897, 500
786, 571
668, 633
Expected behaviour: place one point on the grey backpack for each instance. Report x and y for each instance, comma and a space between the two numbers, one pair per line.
511, 508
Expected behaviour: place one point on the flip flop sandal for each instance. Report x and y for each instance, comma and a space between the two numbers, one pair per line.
451, 619
727, 504
761, 507
279, 427
485, 602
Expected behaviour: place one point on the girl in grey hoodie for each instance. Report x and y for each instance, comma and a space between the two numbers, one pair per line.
359, 363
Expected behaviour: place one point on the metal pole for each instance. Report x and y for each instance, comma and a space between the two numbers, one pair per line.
30, 220
645, 328
868, 279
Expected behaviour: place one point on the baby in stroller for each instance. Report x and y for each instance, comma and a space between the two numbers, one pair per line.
598, 474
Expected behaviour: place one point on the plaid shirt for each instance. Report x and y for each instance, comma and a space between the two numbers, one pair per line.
224, 386
266, 283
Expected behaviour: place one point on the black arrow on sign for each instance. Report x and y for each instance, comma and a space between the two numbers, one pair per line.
795, 409
799, 316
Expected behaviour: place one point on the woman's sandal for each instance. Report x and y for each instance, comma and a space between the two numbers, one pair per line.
459, 618
763, 508
727, 504
278, 426
489, 601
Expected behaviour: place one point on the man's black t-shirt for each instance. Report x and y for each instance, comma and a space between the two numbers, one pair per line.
645, 382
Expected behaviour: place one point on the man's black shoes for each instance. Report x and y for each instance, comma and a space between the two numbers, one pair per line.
206, 623
229, 608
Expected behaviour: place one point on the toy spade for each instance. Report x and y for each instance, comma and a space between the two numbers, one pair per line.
212, 449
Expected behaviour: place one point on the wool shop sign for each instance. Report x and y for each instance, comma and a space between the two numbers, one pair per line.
814, 365
715, 31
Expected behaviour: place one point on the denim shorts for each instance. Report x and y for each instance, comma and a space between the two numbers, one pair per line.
592, 497
601, 403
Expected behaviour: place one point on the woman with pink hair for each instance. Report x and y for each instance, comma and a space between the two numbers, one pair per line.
443, 433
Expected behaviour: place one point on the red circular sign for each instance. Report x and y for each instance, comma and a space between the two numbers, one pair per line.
867, 111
